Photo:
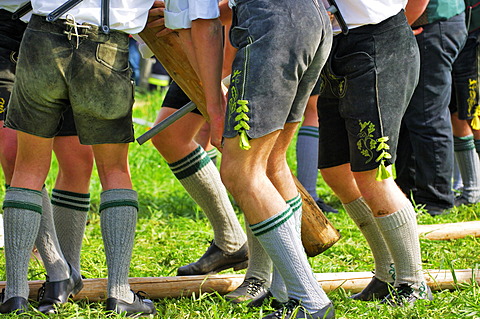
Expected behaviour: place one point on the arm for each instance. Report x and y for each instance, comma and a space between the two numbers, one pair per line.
207, 43
414, 9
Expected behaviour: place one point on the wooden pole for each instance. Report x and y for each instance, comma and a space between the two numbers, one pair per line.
318, 234
169, 52
173, 287
450, 231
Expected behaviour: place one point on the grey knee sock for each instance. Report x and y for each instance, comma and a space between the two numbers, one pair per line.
202, 181
477, 146
307, 159
469, 166
213, 155
278, 288
48, 246
70, 212
280, 240
259, 263
118, 217
22, 213
361, 214
401, 235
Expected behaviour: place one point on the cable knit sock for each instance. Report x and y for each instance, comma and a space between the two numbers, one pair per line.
469, 166
118, 218
259, 263
48, 245
307, 158
70, 212
213, 155
279, 238
22, 210
400, 232
361, 214
201, 179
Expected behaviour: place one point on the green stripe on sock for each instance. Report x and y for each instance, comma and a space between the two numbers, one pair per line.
295, 201
75, 207
465, 143
272, 222
176, 165
190, 164
119, 203
72, 194
269, 220
77, 201
311, 131
22, 205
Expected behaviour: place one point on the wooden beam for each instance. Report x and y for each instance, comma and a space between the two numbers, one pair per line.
318, 233
450, 231
173, 287
170, 53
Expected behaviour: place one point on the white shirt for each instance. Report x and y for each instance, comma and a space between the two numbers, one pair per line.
11, 5
129, 16
179, 14
361, 12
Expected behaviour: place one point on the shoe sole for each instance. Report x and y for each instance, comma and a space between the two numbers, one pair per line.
236, 267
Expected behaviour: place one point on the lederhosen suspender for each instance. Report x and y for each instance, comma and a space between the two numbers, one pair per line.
23, 10
334, 10
105, 7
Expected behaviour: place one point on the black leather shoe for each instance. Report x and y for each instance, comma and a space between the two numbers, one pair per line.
375, 290
252, 289
325, 207
14, 305
215, 260
140, 307
293, 309
57, 292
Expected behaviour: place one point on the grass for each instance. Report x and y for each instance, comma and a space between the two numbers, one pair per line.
172, 231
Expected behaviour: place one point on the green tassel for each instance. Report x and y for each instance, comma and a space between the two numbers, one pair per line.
382, 172
244, 143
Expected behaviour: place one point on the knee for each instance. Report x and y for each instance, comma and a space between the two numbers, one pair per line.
228, 173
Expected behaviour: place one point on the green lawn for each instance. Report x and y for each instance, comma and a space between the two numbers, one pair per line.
172, 231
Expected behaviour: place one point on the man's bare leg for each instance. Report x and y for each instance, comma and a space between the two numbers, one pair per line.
270, 217
22, 214
200, 177
71, 197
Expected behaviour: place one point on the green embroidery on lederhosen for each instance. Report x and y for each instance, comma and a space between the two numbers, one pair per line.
473, 107
367, 144
338, 85
2, 105
239, 106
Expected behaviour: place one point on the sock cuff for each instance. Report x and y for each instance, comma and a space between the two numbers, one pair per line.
397, 219
190, 164
23, 198
271, 223
358, 209
477, 145
71, 200
465, 143
310, 131
212, 153
295, 203
118, 197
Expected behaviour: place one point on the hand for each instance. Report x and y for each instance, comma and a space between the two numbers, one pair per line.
417, 31
156, 18
217, 122
330, 15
